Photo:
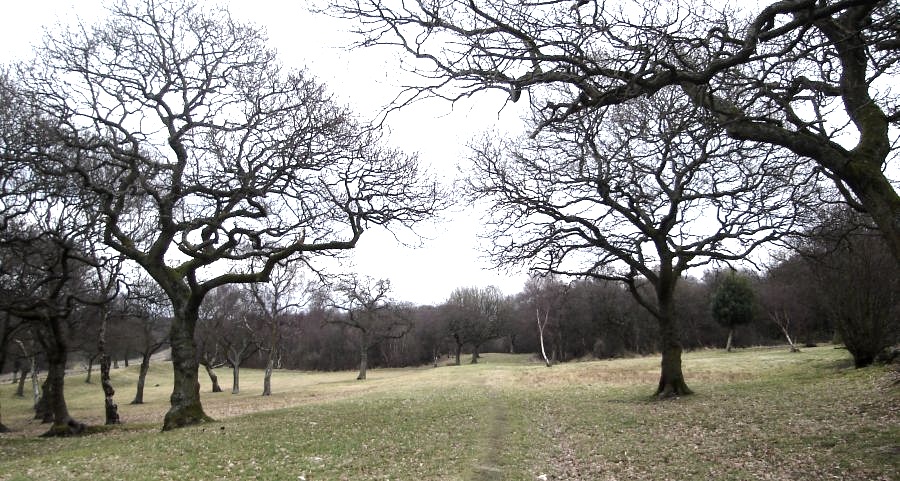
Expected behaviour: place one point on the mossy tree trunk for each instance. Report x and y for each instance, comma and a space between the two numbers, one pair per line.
185, 406
54, 391
671, 379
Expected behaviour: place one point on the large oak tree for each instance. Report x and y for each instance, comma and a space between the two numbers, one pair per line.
640, 196
208, 162
810, 77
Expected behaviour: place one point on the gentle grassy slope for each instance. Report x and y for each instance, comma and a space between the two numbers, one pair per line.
757, 414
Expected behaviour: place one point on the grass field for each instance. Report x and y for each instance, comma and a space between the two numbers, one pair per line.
758, 414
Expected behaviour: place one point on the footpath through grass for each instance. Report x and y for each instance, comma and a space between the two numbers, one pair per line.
757, 414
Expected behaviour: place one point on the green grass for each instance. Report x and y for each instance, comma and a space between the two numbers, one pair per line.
757, 414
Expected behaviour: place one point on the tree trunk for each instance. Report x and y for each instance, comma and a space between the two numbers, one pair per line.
541, 327
35, 385
730, 337
474, 355
42, 403
235, 378
3, 428
20, 389
142, 378
54, 392
459, 346
111, 409
15, 374
783, 322
212, 378
267, 377
363, 362
271, 355
671, 380
185, 407
90, 369
868, 182
126, 359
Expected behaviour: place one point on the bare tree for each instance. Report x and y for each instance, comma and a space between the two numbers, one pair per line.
210, 165
287, 291
368, 310
856, 284
45, 256
474, 317
809, 77
546, 296
228, 311
786, 295
206, 338
27, 346
42, 283
639, 196
10, 329
105, 282
146, 314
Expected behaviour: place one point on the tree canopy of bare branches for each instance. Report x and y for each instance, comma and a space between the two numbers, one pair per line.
207, 162
367, 308
639, 195
474, 317
809, 77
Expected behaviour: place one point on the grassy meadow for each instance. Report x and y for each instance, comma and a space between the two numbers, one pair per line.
762, 413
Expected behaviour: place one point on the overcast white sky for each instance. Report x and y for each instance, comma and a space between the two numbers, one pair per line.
365, 80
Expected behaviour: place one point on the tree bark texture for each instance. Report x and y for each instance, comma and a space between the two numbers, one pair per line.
111, 409
42, 403
185, 407
142, 379
54, 392
671, 380
235, 378
730, 337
